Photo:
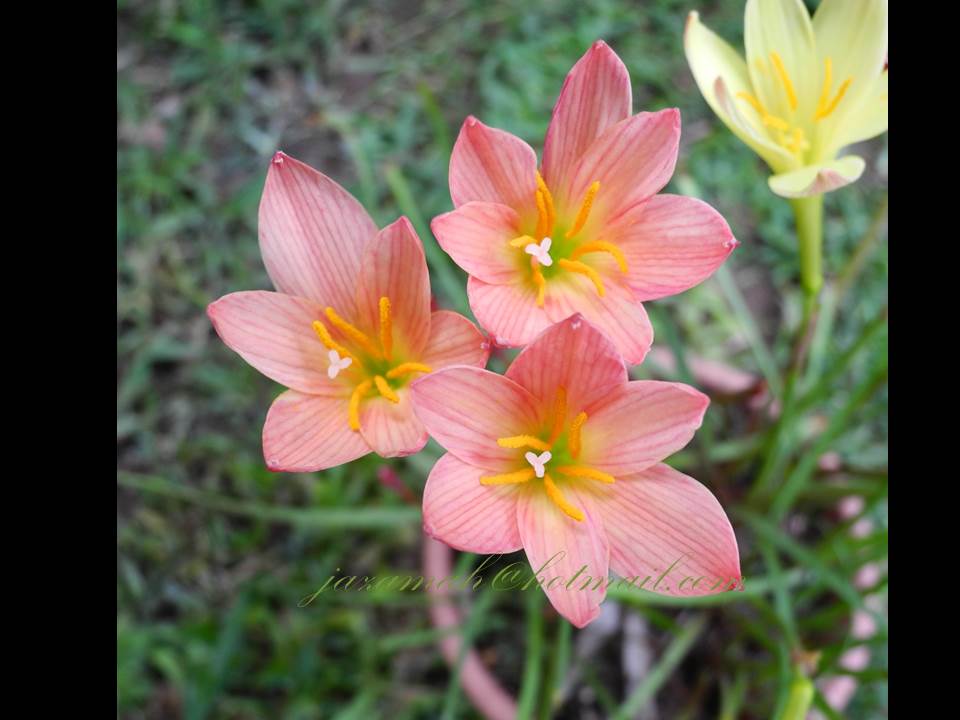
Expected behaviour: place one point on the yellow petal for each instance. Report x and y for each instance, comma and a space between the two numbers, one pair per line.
720, 74
853, 34
778, 36
819, 178
868, 119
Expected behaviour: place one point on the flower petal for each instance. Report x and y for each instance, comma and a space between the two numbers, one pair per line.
671, 243
509, 313
573, 354
466, 515
454, 340
477, 236
304, 433
666, 526
392, 429
466, 409
853, 35
312, 234
867, 119
817, 179
640, 425
273, 332
492, 165
596, 94
721, 73
394, 267
617, 314
782, 27
632, 161
751, 131
570, 559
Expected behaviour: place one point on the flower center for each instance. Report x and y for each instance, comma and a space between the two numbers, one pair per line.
569, 248
373, 364
561, 447
791, 136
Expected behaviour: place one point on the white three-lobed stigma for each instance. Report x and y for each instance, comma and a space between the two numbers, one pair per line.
337, 363
541, 252
539, 461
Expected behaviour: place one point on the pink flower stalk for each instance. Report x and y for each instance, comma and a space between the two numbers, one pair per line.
562, 457
348, 330
587, 233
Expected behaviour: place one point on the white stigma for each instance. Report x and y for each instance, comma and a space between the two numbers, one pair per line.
337, 363
541, 253
539, 461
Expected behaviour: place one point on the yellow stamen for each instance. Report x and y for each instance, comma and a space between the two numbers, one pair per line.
602, 246
798, 142
522, 441
559, 413
522, 241
520, 476
351, 332
406, 369
582, 471
540, 281
757, 105
358, 392
584, 212
777, 123
825, 111
580, 267
573, 437
548, 205
386, 328
385, 389
561, 502
543, 217
827, 84
785, 79
321, 330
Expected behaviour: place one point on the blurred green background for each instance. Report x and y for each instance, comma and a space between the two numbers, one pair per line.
214, 552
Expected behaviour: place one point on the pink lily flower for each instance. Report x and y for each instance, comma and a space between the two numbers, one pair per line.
562, 457
348, 329
587, 233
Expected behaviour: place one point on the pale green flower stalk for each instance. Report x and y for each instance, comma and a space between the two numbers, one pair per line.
806, 89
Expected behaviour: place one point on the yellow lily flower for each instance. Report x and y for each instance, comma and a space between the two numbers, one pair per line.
806, 89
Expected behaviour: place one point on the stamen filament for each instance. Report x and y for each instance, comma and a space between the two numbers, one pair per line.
540, 281
351, 332
354, 410
385, 390
582, 471
406, 369
602, 246
520, 476
386, 328
561, 502
321, 330
523, 241
584, 212
522, 441
548, 205
580, 267
573, 437
559, 414
785, 79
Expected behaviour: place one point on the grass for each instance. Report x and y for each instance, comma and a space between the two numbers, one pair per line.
214, 551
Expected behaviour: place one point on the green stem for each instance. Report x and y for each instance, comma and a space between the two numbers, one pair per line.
808, 213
